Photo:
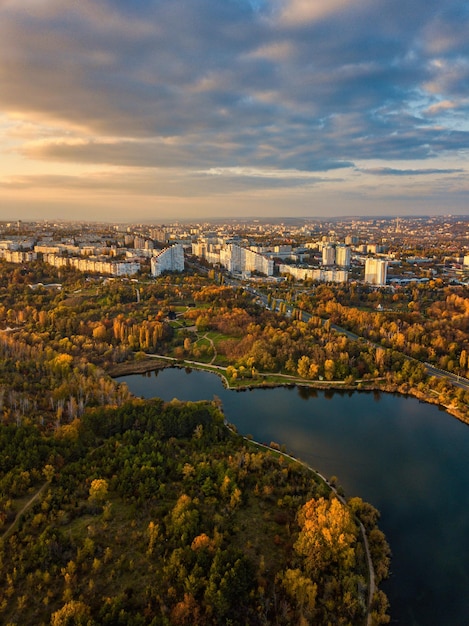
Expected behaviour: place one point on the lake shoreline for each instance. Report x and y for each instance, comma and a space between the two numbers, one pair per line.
147, 365
403, 456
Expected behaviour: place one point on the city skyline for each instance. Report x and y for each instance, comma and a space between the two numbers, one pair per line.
245, 108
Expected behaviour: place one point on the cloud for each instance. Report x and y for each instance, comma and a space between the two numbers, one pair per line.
185, 152
166, 182
438, 107
255, 178
389, 171
282, 86
301, 12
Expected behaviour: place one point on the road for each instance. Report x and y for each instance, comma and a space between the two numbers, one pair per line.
456, 380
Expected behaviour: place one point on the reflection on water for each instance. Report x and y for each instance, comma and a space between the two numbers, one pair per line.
409, 459
305, 393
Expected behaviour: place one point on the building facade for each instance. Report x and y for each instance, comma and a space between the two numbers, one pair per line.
328, 254
168, 260
333, 275
376, 272
343, 256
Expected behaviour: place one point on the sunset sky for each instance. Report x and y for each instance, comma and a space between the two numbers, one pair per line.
137, 110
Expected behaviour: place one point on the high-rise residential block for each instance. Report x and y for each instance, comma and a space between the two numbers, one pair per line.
376, 271
168, 260
342, 256
328, 254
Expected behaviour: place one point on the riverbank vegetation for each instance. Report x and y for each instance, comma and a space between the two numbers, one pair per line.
195, 317
156, 513
63, 336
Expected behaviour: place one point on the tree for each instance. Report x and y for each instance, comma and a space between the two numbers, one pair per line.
98, 490
463, 359
185, 612
303, 366
329, 368
48, 472
303, 590
327, 536
74, 613
153, 534
100, 332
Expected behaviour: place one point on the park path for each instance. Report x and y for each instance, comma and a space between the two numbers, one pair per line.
28, 504
210, 340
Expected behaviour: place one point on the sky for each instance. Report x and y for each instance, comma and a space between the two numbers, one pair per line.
161, 110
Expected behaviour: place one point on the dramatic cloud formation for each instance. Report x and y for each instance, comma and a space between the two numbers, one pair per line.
184, 108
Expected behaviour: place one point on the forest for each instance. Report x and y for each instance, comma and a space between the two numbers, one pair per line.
62, 340
154, 513
115, 510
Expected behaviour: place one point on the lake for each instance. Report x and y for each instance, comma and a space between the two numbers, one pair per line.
409, 459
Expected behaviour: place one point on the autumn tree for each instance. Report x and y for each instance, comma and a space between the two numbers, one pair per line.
327, 536
303, 591
73, 613
98, 490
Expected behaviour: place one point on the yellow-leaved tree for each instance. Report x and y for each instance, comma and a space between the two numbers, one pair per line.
98, 490
327, 536
73, 612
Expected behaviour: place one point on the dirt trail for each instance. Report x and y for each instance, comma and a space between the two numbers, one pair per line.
28, 504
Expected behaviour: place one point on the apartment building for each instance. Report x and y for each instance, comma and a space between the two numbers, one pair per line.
376, 271
168, 260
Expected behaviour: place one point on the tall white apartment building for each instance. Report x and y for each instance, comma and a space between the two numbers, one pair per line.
237, 259
254, 262
199, 249
328, 255
376, 271
342, 256
231, 257
170, 260
159, 234
213, 256
124, 268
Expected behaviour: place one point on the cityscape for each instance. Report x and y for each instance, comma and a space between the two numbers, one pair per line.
377, 252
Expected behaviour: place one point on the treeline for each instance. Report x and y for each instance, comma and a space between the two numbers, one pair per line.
106, 323
105, 319
253, 340
154, 513
103, 337
429, 321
